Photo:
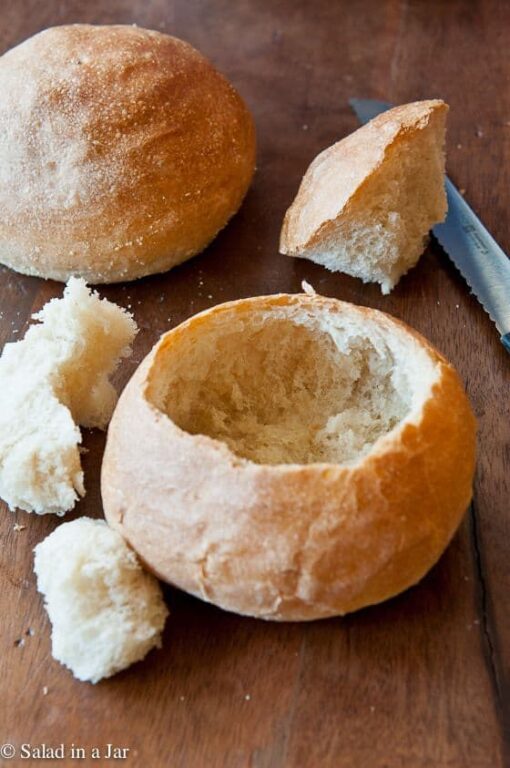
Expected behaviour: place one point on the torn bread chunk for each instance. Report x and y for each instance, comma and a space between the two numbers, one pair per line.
53, 380
365, 205
106, 611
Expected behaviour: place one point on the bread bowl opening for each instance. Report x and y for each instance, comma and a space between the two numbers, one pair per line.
278, 390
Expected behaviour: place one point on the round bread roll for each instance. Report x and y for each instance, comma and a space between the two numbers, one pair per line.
123, 152
290, 457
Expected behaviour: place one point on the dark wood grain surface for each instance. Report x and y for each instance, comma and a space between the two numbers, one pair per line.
422, 680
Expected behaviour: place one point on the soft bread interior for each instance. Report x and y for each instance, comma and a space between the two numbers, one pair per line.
106, 611
382, 233
287, 387
56, 378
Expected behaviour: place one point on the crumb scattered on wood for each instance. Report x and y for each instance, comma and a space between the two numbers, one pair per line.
307, 288
45, 690
18, 527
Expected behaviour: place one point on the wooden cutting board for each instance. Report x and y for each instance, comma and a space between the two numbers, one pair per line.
422, 680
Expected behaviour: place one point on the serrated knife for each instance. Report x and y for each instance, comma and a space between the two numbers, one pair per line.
481, 262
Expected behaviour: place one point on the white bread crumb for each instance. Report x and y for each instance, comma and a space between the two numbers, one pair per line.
54, 379
105, 610
307, 288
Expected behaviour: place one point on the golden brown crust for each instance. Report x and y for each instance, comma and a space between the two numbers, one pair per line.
124, 153
289, 542
337, 177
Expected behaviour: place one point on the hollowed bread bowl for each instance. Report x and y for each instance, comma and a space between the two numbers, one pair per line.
290, 457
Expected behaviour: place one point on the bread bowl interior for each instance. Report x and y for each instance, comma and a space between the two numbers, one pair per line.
287, 386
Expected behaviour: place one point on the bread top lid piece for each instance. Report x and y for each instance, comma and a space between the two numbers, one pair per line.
123, 151
336, 177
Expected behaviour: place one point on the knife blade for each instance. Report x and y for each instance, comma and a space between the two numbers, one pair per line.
480, 260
